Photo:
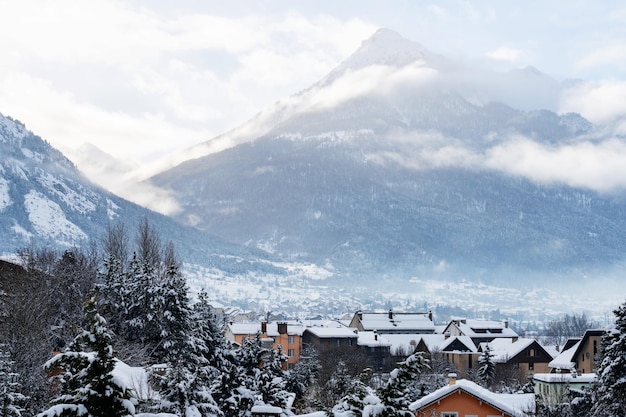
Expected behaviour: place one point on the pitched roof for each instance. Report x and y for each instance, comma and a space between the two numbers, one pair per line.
504, 349
566, 359
513, 404
372, 339
408, 341
452, 342
396, 322
483, 328
333, 332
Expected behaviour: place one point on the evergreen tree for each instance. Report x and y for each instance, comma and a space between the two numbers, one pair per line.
611, 392
271, 384
400, 389
487, 369
230, 392
303, 374
185, 386
209, 331
357, 396
85, 382
11, 399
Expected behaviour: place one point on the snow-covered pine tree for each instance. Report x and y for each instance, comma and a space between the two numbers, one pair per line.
487, 369
185, 385
237, 388
611, 392
303, 374
209, 331
399, 391
230, 392
85, 381
271, 383
113, 294
358, 395
11, 399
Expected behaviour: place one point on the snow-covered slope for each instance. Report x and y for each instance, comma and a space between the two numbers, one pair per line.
45, 201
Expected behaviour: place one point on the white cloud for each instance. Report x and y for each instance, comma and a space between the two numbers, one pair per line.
505, 54
380, 78
596, 166
599, 102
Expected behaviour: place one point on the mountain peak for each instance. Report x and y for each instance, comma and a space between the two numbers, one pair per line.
385, 47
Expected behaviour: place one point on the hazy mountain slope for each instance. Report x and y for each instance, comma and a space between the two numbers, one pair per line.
395, 174
46, 201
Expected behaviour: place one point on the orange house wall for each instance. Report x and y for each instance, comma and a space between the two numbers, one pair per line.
283, 341
461, 403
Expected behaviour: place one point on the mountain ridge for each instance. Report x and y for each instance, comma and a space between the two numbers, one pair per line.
400, 173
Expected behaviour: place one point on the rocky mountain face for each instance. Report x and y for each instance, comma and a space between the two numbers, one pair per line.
45, 201
387, 166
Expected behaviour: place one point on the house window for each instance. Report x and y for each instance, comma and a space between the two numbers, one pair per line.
449, 414
531, 352
531, 366
338, 342
516, 365
291, 352
290, 340
595, 347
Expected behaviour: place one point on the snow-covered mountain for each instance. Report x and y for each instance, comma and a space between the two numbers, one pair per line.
392, 165
45, 201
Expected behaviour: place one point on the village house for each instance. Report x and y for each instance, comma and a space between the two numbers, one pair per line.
324, 338
464, 398
527, 356
286, 335
559, 388
582, 357
480, 330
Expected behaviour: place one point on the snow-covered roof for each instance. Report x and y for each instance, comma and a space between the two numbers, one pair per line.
513, 404
566, 359
395, 322
408, 341
483, 328
333, 332
465, 340
252, 328
324, 323
372, 339
565, 378
504, 349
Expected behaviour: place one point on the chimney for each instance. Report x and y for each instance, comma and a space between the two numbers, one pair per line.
263, 327
359, 314
506, 324
282, 328
390, 314
451, 378
430, 315
375, 337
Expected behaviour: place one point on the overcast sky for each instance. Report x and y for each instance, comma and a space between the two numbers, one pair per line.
140, 79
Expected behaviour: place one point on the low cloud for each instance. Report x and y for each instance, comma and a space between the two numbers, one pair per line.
593, 165
379, 79
596, 166
599, 102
